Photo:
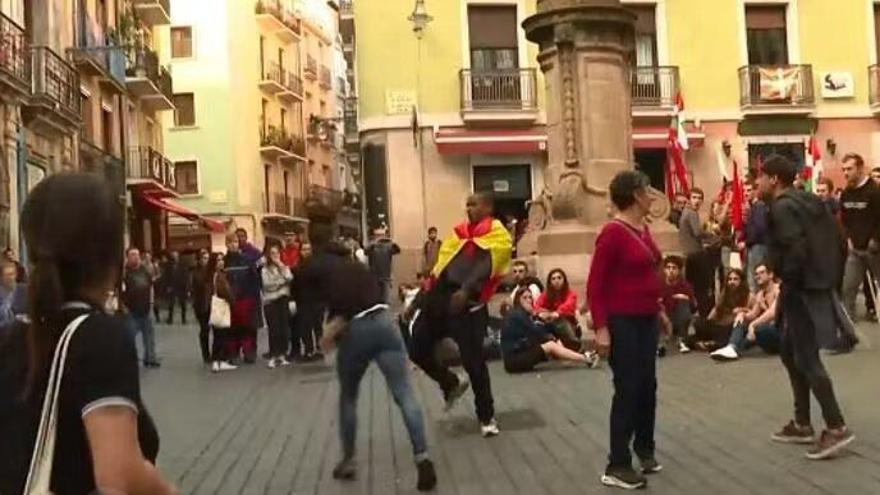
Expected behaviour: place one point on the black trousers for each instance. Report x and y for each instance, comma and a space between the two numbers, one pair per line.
180, 299
469, 331
633, 360
278, 321
309, 321
800, 355
700, 272
204, 334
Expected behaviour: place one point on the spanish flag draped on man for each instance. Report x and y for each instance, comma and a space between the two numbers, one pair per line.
469, 267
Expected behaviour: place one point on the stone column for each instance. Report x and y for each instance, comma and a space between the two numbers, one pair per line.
586, 51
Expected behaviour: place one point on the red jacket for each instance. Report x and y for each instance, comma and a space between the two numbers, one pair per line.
290, 256
565, 306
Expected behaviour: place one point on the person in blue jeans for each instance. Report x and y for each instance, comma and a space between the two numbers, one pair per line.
360, 323
136, 294
757, 326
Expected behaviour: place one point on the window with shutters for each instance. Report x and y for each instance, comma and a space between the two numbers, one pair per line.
185, 112
493, 37
766, 35
181, 42
186, 173
646, 35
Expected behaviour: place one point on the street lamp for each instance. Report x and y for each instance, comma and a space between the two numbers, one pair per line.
419, 18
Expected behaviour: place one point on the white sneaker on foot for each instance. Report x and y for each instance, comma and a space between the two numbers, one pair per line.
726, 353
490, 429
683, 348
215, 366
282, 361
225, 366
592, 359
272, 363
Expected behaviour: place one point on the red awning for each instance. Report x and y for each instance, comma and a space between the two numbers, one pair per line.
181, 211
657, 137
496, 142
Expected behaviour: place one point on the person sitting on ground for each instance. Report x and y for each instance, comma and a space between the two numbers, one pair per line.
758, 325
714, 331
679, 302
522, 279
526, 343
557, 306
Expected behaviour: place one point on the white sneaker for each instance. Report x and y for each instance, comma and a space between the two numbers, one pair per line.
225, 366
726, 353
490, 429
683, 348
272, 363
215, 366
592, 359
282, 361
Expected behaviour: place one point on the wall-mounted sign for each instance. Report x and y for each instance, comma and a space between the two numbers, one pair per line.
837, 85
501, 186
399, 102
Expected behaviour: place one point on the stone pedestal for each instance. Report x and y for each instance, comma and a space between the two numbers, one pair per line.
586, 48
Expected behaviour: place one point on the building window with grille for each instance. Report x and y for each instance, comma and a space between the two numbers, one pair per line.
185, 111
186, 174
766, 35
181, 42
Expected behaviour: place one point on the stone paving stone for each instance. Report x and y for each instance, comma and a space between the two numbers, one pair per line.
260, 431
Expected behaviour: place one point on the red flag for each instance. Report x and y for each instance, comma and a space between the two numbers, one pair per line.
676, 161
667, 176
738, 199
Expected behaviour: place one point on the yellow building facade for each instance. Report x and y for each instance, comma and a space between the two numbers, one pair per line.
459, 105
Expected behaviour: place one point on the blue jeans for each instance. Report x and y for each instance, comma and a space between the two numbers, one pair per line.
375, 338
142, 324
766, 337
681, 318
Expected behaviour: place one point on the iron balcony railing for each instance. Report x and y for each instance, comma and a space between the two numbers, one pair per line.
94, 47
145, 162
346, 7
324, 199
55, 81
166, 4
14, 52
282, 204
272, 136
279, 12
508, 89
776, 85
654, 87
272, 72
144, 62
350, 118
874, 85
294, 83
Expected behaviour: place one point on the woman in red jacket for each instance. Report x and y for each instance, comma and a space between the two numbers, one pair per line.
556, 308
623, 291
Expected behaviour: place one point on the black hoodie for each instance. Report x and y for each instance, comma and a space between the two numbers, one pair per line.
860, 211
805, 247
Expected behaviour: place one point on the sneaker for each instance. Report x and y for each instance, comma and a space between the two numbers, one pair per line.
427, 476
683, 348
726, 353
346, 470
215, 367
624, 477
282, 361
592, 359
456, 393
272, 363
830, 443
794, 433
224, 366
650, 465
490, 429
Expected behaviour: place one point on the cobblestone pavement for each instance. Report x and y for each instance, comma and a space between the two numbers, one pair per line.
261, 431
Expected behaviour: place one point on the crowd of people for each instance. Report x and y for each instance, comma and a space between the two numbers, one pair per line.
774, 284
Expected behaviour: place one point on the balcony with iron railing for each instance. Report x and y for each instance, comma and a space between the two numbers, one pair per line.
277, 143
148, 80
96, 54
282, 204
311, 68
874, 87
273, 17
654, 90
153, 12
777, 89
55, 99
324, 201
293, 88
15, 57
326, 79
146, 165
499, 95
350, 120
272, 79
